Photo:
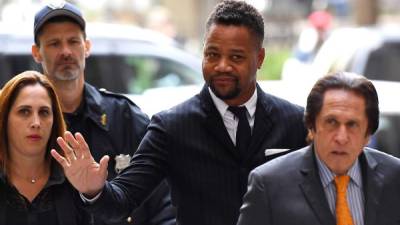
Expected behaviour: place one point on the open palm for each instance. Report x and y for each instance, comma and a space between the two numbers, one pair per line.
82, 171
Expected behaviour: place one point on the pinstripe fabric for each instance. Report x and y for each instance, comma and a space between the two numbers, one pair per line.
190, 145
355, 196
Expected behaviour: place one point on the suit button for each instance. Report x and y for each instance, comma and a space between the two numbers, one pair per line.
129, 220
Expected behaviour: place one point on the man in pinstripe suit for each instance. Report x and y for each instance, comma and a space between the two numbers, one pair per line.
299, 188
193, 144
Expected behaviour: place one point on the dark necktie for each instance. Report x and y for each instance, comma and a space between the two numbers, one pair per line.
243, 133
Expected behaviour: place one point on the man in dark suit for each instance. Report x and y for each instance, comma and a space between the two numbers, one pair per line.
194, 144
305, 186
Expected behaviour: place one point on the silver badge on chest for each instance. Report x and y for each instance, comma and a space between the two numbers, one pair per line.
121, 162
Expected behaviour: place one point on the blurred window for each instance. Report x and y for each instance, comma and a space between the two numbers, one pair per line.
134, 74
384, 63
117, 73
386, 138
11, 65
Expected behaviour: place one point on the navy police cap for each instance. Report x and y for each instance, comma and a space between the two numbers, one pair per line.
55, 10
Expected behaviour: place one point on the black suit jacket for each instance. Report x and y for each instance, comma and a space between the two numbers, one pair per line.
288, 191
190, 145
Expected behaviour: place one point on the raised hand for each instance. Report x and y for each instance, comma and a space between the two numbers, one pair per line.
82, 171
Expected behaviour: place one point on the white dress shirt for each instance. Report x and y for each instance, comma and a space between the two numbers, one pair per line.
230, 120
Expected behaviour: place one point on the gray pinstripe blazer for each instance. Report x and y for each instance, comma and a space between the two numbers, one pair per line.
190, 146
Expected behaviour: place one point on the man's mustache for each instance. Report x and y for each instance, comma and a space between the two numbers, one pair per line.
66, 60
216, 75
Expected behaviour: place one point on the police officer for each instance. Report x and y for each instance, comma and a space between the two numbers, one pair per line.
111, 123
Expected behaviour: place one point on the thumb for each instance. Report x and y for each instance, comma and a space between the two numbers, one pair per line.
104, 165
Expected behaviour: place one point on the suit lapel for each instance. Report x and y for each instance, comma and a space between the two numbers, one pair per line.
313, 191
262, 124
373, 183
214, 123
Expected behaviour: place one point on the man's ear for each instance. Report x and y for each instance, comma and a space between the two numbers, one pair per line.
36, 54
310, 135
260, 57
88, 47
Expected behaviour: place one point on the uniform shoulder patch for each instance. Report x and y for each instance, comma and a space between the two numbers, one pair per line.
105, 92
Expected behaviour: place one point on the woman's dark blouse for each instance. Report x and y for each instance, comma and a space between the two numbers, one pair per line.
45, 208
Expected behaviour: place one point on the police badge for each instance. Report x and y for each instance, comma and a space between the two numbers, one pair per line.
121, 162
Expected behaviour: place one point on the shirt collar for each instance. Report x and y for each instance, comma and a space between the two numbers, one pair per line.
327, 176
222, 107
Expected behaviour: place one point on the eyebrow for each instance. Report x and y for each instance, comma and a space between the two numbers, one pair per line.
29, 106
237, 51
23, 106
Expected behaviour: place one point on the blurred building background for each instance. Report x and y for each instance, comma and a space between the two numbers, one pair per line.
305, 39
184, 20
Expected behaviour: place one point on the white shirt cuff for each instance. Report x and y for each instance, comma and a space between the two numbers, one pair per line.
90, 200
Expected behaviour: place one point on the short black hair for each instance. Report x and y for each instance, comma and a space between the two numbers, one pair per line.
238, 13
343, 81
58, 19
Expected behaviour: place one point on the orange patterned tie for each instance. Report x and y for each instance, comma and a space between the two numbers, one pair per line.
343, 214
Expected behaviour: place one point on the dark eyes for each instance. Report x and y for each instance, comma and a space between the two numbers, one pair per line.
75, 41
352, 124
237, 57
71, 41
54, 44
26, 112
333, 123
211, 54
233, 58
44, 112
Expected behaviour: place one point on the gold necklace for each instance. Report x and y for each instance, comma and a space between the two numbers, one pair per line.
31, 180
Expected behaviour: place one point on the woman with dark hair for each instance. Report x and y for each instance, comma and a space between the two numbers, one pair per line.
33, 189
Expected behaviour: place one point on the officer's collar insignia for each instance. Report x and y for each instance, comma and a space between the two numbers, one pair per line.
103, 119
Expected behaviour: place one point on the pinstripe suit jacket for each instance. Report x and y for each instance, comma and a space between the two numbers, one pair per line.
288, 191
190, 146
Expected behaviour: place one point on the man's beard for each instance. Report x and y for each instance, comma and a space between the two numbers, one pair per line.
67, 75
67, 72
231, 94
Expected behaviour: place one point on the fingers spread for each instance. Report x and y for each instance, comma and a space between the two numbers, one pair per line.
84, 151
63, 162
72, 142
68, 151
